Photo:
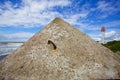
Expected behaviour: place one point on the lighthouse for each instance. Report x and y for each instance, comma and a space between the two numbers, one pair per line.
103, 34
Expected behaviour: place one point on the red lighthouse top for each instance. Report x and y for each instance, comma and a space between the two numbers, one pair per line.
103, 29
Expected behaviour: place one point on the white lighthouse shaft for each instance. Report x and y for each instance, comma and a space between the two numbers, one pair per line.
103, 37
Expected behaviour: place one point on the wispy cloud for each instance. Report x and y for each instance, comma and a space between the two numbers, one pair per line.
113, 23
23, 36
31, 13
107, 8
110, 34
34, 13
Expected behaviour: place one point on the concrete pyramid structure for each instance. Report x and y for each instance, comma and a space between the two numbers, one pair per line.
60, 52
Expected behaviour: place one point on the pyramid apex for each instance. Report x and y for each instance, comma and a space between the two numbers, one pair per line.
57, 19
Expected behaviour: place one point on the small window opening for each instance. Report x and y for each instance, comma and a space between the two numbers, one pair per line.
54, 46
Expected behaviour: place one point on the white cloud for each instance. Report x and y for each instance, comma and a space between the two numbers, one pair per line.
16, 36
107, 8
113, 23
95, 37
73, 19
110, 34
19, 35
104, 6
117, 38
31, 13
34, 13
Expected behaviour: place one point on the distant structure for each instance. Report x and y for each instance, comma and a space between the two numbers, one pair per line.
103, 34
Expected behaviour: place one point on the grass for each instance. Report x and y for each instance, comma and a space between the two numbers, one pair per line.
113, 45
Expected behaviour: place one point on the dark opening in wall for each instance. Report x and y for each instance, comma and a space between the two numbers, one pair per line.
54, 46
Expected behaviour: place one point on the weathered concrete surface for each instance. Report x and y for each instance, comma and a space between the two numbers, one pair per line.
77, 57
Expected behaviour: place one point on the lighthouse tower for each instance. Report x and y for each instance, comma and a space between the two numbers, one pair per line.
103, 34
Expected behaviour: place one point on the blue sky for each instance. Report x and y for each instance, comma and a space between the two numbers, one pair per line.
21, 19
